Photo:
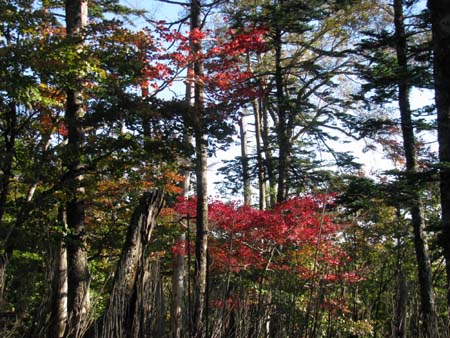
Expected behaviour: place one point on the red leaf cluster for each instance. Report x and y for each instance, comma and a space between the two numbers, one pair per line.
296, 236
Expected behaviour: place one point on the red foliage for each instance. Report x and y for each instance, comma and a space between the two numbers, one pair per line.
297, 236
222, 56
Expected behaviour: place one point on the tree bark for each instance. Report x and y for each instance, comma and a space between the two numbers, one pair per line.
118, 320
409, 146
58, 314
440, 19
201, 237
78, 273
179, 269
244, 162
269, 163
201, 240
256, 105
259, 156
283, 141
176, 315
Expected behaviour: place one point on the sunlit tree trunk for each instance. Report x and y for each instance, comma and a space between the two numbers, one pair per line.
58, 315
78, 275
440, 19
259, 156
269, 162
409, 145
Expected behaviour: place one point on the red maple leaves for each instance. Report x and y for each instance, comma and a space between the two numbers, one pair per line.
298, 236
223, 56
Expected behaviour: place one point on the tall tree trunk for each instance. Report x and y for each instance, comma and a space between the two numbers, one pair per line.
269, 163
176, 313
244, 161
78, 295
440, 19
120, 314
179, 269
201, 237
58, 314
399, 328
282, 136
409, 145
259, 156
256, 105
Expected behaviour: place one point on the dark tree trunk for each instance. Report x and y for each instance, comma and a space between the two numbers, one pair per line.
440, 19
409, 145
201, 237
78, 273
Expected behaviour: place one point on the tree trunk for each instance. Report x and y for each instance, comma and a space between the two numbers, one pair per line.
118, 320
401, 299
201, 237
176, 316
440, 19
244, 162
259, 156
399, 327
78, 273
201, 240
282, 136
58, 314
256, 105
409, 145
179, 269
269, 164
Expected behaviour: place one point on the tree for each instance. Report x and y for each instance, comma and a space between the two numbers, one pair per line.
78, 276
410, 146
123, 316
440, 14
298, 74
253, 253
397, 68
201, 237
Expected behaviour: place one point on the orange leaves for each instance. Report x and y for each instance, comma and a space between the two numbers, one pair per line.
50, 125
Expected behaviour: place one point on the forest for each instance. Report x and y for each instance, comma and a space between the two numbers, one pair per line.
225, 168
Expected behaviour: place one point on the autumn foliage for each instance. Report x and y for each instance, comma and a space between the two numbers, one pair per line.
298, 236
